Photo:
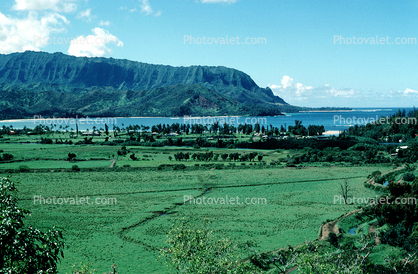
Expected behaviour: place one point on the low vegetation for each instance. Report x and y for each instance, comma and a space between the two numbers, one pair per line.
156, 173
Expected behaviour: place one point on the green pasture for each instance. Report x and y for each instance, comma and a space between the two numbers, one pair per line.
130, 232
68, 136
59, 164
57, 151
88, 156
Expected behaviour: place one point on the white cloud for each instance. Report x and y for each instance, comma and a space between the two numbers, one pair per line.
219, 1
300, 90
274, 86
31, 33
290, 87
299, 94
54, 5
104, 23
328, 96
287, 82
347, 92
86, 15
94, 45
408, 91
146, 7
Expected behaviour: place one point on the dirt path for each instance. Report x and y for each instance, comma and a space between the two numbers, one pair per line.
371, 181
332, 226
372, 230
114, 162
290, 270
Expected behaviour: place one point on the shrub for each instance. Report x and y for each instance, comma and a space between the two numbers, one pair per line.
123, 151
71, 157
6, 157
333, 239
46, 141
25, 249
224, 156
409, 177
24, 168
398, 235
83, 269
179, 167
185, 252
87, 269
376, 174
75, 168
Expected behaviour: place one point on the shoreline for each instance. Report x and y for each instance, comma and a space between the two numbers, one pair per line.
342, 110
117, 117
332, 132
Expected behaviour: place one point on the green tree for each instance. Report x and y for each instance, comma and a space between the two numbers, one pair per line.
25, 249
71, 156
6, 157
194, 249
216, 157
409, 177
94, 130
257, 127
106, 129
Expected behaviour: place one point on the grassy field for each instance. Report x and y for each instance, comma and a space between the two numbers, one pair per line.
139, 201
130, 232
37, 156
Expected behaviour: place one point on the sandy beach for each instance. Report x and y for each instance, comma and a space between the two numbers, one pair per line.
331, 132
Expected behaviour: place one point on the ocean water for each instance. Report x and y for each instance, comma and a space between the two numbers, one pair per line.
332, 121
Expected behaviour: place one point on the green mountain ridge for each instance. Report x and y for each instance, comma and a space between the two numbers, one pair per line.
177, 100
39, 83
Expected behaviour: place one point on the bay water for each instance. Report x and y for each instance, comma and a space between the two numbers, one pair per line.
331, 120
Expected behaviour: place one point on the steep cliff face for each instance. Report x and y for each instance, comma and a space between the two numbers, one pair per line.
39, 83
81, 72
20, 101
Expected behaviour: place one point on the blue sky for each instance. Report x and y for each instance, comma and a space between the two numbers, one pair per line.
311, 53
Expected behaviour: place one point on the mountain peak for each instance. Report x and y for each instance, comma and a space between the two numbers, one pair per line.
82, 73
